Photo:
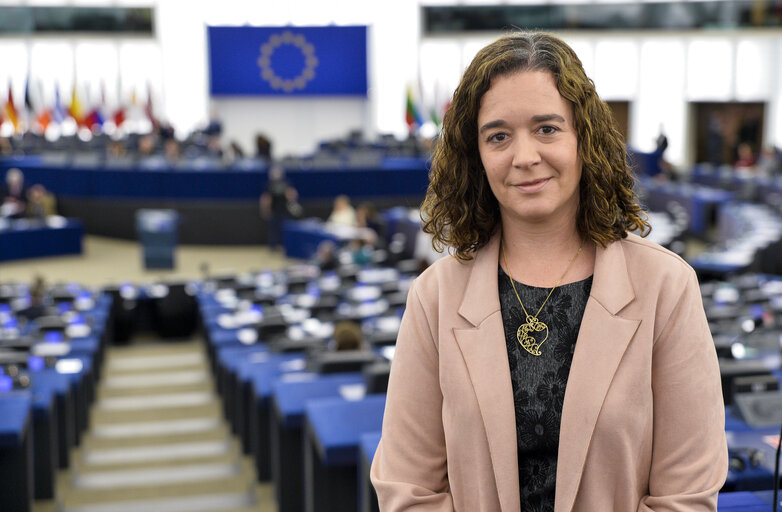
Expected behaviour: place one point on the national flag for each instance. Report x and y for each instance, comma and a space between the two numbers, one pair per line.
44, 119
149, 108
95, 117
58, 112
119, 116
28, 96
412, 116
76, 109
11, 113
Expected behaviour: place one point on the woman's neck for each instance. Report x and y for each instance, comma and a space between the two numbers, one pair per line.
539, 256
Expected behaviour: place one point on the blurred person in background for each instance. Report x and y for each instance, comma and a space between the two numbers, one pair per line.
368, 217
13, 195
348, 336
276, 202
41, 203
343, 212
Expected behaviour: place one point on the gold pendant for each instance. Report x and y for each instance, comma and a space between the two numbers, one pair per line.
527, 342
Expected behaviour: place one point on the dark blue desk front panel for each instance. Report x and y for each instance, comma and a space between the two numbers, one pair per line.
289, 399
369, 443
403, 178
337, 425
332, 436
16, 454
367, 498
41, 241
261, 378
15, 408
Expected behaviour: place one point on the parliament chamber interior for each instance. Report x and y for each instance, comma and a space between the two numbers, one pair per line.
209, 224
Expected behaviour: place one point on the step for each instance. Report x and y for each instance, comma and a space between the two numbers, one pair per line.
162, 475
91, 442
155, 401
154, 453
241, 483
142, 429
205, 386
152, 379
224, 500
152, 348
155, 364
205, 453
99, 416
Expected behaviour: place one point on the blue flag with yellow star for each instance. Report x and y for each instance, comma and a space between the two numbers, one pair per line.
286, 61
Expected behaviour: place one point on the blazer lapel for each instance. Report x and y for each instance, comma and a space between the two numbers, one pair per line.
486, 356
602, 340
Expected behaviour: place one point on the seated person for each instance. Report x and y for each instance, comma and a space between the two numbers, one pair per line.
13, 196
348, 336
343, 213
41, 203
326, 256
37, 307
360, 251
368, 217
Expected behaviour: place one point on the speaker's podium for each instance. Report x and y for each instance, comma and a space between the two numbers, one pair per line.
157, 233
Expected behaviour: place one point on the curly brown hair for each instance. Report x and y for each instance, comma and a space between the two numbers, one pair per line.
460, 210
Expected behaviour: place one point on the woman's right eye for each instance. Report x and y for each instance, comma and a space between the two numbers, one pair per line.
498, 137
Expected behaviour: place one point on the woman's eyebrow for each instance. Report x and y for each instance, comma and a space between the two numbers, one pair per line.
548, 117
492, 124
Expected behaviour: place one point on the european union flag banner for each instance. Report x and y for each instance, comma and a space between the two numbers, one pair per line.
250, 61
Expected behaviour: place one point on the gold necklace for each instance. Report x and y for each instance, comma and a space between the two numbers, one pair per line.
532, 324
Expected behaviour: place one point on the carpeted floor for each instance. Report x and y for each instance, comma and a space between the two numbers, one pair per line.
106, 261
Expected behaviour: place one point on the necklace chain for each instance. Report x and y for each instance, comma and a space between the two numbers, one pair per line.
532, 324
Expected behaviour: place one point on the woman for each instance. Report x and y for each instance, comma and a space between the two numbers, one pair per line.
555, 361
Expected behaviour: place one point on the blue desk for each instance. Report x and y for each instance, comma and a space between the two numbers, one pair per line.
288, 405
261, 380
701, 203
367, 494
745, 501
302, 238
331, 455
16, 454
38, 241
752, 478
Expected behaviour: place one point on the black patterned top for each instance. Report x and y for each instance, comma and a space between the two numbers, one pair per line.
539, 381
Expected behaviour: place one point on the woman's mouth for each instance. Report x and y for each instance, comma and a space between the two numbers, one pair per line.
530, 187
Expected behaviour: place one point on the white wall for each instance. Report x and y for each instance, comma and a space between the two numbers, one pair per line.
660, 73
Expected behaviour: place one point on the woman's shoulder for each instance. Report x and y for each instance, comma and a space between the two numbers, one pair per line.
640, 251
651, 265
446, 275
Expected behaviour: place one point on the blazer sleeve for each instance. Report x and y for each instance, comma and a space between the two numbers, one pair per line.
409, 467
690, 456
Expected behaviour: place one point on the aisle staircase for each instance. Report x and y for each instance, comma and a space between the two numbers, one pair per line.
158, 442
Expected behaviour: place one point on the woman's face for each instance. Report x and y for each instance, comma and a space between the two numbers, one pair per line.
529, 148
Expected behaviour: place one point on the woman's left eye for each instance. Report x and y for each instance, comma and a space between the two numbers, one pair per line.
548, 130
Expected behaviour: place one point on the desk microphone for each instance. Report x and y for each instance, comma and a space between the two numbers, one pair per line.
776, 471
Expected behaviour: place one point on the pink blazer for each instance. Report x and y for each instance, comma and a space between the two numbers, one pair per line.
643, 425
